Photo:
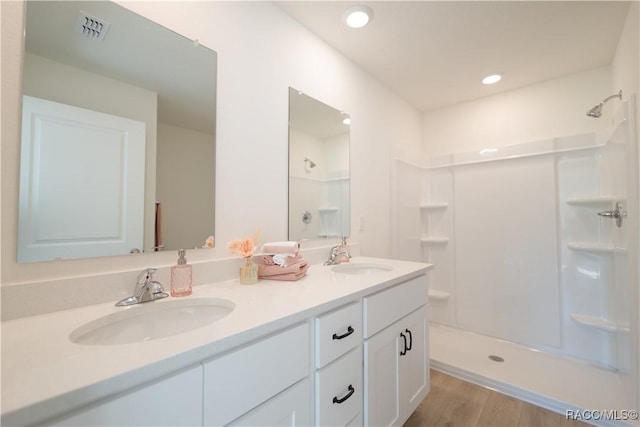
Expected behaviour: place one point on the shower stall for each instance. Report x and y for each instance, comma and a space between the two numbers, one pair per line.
535, 247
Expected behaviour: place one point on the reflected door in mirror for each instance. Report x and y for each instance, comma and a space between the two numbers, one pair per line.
81, 182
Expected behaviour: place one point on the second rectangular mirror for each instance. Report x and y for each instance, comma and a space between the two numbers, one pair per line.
318, 169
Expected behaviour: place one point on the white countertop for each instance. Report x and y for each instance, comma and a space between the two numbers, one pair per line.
45, 374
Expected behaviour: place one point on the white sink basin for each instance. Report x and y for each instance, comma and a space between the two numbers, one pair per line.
361, 268
152, 320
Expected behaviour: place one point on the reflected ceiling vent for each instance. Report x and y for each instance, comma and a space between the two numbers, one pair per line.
91, 27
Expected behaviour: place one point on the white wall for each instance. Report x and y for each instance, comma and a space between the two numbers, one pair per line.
546, 110
337, 152
543, 111
261, 53
184, 163
626, 76
626, 63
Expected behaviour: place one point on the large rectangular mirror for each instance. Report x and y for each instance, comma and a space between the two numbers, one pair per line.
318, 169
118, 147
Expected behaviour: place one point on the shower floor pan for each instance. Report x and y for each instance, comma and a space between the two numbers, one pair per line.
547, 380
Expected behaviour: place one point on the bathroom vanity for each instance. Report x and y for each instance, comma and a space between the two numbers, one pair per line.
346, 345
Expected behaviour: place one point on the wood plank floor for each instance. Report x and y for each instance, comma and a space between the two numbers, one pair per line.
456, 403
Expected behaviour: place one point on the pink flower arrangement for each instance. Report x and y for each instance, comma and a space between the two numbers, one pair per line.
209, 243
244, 247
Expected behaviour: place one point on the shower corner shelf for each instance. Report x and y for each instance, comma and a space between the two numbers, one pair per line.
593, 200
328, 209
327, 235
435, 240
438, 295
599, 323
434, 206
595, 248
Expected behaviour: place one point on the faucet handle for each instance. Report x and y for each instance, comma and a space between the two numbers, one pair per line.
146, 275
155, 287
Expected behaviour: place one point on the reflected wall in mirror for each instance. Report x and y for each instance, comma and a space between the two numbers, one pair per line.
318, 169
89, 187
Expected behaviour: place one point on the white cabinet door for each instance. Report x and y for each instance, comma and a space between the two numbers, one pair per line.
175, 401
382, 378
292, 408
397, 370
414, 364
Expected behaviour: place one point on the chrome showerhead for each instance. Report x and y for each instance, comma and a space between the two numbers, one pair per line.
308, 165
597, 110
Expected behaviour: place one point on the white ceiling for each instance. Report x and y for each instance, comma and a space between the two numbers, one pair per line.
435, 53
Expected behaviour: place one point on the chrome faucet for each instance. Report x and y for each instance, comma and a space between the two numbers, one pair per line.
146, 289
339, 253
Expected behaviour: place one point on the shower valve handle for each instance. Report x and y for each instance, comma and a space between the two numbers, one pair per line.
609, 214
618, 214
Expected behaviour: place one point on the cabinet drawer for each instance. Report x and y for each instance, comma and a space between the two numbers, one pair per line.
385, 307
241, 380
339, 390
338, 332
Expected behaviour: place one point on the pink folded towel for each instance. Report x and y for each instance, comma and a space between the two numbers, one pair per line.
268, 260
281, 248
287, 277
268, 271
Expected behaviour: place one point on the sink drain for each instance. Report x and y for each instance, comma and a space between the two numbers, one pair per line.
496, 358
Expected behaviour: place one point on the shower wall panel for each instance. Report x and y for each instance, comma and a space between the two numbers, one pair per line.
507, 282
306, 194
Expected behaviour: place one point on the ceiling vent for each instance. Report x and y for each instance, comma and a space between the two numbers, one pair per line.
91, 27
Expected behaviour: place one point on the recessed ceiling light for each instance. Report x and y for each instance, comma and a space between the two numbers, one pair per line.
493, 78
358, 16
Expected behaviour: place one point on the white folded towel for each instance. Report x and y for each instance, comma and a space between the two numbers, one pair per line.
284, 260
280, 248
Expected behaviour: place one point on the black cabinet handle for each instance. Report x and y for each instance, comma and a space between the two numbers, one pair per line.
348, 395
410, 339
350, 330
404, 350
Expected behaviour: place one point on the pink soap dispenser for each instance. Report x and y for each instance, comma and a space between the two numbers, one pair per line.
181, 276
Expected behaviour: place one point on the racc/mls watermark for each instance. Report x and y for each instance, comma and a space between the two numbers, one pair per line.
602, 415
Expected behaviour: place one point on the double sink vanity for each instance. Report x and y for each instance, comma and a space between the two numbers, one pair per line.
346, 345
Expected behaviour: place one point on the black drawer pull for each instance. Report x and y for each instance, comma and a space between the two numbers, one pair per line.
350, 330
404, 339
410, 339
348, 395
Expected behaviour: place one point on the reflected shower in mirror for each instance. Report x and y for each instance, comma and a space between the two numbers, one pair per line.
318, 169
118, 145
